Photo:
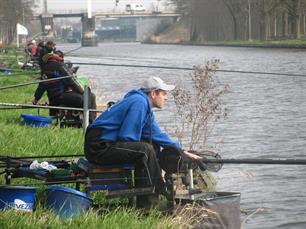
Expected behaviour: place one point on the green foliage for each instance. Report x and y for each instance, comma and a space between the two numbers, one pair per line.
119, 218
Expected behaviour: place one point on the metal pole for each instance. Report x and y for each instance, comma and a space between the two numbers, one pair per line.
85, 108
22, 16
191, 185
17, 36
250, 21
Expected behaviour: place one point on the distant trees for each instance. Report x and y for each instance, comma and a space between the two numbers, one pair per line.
11, 13
244, 19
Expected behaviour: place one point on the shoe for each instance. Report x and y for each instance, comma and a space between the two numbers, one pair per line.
169, 196
164, 206
147, 201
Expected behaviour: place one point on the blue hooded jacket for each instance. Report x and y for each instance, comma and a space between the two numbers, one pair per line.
132, 119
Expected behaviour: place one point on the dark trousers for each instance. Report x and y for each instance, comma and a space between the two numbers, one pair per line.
140, 153
73, 99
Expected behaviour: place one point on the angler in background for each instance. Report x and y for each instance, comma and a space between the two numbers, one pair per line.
45, 49
61, 92
31, 50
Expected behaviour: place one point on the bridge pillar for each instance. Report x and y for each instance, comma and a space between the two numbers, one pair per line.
89, 37
46, 21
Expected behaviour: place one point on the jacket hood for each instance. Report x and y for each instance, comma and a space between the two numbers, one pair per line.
142, 94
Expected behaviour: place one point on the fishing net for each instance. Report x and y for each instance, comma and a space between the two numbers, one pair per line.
217, 210
212, 167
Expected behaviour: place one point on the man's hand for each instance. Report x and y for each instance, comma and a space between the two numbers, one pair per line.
192, 156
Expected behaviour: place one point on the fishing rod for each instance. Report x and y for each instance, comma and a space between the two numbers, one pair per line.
70, 51
40, 106
11, 160
256, 161
42, 156
34, 82
15, 108
209, 158
44, 106
204, 160
188, 69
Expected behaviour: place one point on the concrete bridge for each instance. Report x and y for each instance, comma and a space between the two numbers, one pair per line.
146, 22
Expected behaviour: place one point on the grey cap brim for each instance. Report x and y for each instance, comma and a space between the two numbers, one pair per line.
167, 87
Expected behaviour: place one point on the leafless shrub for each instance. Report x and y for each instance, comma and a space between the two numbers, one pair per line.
199, 107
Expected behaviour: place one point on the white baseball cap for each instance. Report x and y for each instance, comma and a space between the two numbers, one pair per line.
156, 83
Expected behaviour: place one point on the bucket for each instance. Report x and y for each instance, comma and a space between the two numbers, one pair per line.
17, 197
67, 202
36, 120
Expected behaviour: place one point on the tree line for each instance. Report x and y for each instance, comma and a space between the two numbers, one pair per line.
220, 20
11, 13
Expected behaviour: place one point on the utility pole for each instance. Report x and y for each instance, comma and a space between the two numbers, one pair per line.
250, 20
45, 6
23, 16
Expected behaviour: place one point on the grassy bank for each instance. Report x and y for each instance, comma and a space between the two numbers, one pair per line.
19, 140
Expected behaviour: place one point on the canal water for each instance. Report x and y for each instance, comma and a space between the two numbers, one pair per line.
266, 116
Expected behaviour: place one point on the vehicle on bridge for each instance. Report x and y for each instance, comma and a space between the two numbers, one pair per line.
134, 8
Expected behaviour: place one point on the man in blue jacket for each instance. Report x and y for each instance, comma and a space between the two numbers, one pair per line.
127, 132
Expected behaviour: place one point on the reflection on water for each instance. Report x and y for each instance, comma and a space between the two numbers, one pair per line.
266, 119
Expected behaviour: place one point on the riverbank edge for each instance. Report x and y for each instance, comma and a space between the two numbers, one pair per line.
279, 46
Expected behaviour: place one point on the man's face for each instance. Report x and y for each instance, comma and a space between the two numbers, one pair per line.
158, 98
50, 47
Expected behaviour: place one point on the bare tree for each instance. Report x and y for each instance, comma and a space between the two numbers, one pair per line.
199, 107
241, 19
11, 13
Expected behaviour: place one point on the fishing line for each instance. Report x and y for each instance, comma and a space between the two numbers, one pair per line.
188, 69
126, 58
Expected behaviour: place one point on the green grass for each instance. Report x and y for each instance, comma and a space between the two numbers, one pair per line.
118, 218
17, 139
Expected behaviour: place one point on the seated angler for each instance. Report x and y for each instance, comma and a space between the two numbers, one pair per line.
61, 92
127, 132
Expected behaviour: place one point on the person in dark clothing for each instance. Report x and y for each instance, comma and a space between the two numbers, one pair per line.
43, 51
65, 92
127, 132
